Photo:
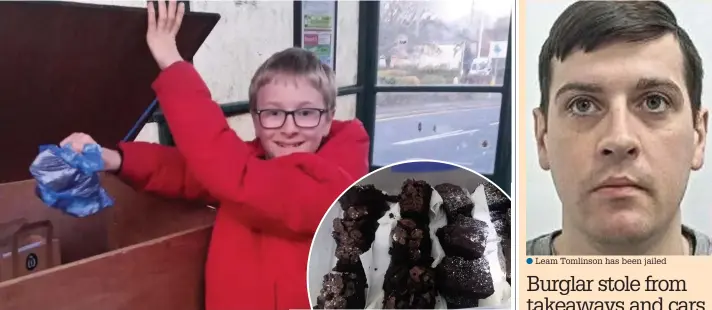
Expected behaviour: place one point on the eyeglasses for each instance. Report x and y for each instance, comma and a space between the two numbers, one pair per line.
303, 118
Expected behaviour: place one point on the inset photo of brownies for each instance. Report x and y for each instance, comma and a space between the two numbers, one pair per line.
414, 235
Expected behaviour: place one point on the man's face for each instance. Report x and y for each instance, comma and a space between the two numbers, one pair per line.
619, 138
286, 94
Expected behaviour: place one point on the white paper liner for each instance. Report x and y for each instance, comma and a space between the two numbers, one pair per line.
375, 261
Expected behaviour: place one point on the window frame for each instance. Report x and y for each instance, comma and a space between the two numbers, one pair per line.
369, 22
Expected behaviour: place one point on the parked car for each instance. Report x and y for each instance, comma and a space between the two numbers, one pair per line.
479, 73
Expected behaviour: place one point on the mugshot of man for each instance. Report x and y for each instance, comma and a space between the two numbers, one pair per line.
620, 127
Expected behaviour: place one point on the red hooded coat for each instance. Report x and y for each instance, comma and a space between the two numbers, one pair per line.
268, 209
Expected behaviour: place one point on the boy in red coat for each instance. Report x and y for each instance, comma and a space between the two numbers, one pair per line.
272, 192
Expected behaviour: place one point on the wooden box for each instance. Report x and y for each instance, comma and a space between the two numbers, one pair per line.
70, 67
23, 251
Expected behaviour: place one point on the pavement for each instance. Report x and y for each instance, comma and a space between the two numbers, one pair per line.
457, 132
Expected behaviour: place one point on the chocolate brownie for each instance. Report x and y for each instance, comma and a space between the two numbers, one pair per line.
456, 275
365, 195
422, 278
460, 301
345, 287
501, 219
396, 278
410, 243
409, 280
342, 290
356, 213
425, 300
500, 212
347, 232
456, 201
464, 237
355, 233
496, 199
349, 241
409, 287
414, 200
362, 206
348, 254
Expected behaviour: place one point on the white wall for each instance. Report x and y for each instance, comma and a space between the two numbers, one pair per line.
543, 206
247, 34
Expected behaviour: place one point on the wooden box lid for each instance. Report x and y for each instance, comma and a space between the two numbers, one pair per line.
74, 67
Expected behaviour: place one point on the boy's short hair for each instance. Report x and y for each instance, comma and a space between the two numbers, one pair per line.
588, 25
299, 63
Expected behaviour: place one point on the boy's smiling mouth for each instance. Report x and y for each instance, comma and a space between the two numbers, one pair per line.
289, 145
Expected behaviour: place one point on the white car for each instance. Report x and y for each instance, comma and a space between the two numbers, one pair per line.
481, 67
480, 72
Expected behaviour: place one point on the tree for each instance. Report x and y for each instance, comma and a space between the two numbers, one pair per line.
400, 25
500, 30
405, 25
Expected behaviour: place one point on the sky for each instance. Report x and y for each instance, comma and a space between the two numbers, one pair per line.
454, 9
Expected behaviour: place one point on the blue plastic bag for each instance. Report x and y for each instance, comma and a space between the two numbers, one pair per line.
69, 181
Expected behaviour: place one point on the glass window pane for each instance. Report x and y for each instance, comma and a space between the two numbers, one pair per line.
443, 42
347, 43
345, 107
461, 128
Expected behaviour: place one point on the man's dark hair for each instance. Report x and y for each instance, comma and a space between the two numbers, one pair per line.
587, 25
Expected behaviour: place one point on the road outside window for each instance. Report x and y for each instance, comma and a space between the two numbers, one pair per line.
448, 42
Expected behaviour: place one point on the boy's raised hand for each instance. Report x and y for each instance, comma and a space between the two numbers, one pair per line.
112, 158
162, 30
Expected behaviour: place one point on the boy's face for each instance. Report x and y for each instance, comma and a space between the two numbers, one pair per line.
291, 116
620, 138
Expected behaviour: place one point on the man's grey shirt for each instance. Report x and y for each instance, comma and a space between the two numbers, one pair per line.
701, 244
